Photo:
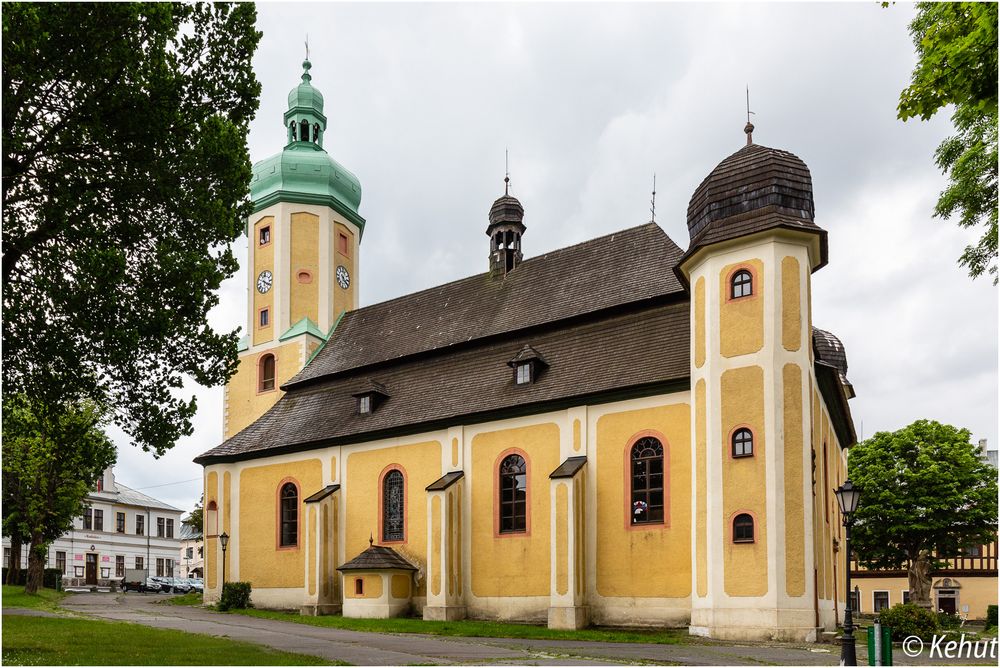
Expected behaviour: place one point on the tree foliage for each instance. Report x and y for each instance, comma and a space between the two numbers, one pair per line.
957, 65
125, 179
196, 518
925, 495
51, 458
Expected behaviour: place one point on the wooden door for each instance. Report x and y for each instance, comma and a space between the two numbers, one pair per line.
947, 604
91, 569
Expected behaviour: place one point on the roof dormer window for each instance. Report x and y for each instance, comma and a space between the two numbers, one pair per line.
522, 373
370, 397
527, 365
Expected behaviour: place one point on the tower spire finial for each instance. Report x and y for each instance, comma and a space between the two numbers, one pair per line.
748, 128
652, 208
307, 46
506, 169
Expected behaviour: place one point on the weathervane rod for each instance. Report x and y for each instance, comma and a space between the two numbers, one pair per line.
307, 46
506, 169
652, 201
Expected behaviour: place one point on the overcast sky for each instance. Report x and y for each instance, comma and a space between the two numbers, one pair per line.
591, 99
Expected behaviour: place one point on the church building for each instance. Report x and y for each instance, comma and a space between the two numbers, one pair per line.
619, 432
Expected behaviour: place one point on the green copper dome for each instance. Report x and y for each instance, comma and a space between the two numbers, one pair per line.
304, 172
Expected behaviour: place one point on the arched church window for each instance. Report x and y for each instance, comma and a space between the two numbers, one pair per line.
743, 528
315, 132
289, 530
646, 459
741, 284
304, 132
513, 494
292, 134
393, 506
265, 382
742, 442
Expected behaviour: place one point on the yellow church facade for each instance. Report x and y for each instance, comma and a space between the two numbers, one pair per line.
619, 432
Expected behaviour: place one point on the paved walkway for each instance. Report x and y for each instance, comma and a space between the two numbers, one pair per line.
362, 648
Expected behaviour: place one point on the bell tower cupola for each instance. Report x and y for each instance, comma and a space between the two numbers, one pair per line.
304, 119
505, 231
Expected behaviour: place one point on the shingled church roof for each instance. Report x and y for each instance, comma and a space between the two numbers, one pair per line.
608, 315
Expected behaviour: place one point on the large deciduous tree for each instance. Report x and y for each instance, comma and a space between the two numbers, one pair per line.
125, 180
957, 67
51, 458
925, 496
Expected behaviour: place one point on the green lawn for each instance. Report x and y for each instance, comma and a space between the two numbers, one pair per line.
192, 598
45, 599
73, 641
471, 628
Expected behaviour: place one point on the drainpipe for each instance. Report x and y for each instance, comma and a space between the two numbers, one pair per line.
148, 529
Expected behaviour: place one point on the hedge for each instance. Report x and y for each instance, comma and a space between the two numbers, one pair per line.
235, 596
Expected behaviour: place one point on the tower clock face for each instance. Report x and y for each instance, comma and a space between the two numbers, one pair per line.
343, 277
264, 282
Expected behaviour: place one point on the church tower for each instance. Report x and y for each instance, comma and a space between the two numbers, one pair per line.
302, 261
753, 247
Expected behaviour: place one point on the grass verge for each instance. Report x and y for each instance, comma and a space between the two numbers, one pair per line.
47, 641
477, 629
192, 598
44, 599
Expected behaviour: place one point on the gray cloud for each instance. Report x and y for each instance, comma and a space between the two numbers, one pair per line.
422, 99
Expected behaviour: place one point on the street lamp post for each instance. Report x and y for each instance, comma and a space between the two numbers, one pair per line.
224, 541
848, 496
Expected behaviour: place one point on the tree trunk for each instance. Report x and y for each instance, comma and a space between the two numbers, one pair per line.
36, 564
14, 564
920, 580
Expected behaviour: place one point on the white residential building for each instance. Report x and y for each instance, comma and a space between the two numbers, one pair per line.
191, 563
121, 528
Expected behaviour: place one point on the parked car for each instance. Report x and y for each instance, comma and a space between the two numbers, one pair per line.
172, 585
149, 585
195, 585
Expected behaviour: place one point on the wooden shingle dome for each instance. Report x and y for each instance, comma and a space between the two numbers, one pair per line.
756, 180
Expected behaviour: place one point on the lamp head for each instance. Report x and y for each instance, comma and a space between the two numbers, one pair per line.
224, 540
847, 496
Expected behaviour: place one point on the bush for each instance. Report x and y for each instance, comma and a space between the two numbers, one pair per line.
908, 619
948, 621
235, 596
991, 616
51, 577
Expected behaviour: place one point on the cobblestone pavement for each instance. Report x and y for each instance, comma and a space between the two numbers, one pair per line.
363, 648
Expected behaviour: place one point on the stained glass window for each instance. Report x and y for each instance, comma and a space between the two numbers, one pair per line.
513, 494
289, 515
392, 506
647, 481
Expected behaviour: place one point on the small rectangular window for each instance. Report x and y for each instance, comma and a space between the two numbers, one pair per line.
359, 587
160, 527
170, 528
265, 235
523, 373
88, 519
343, 245
61, 561
139, 563
6, 557
189, 553
140, 526
265, 317
120, 566
364, 404
168, 568
159, 567
120, 522
98, 520
906, 596
881, 600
